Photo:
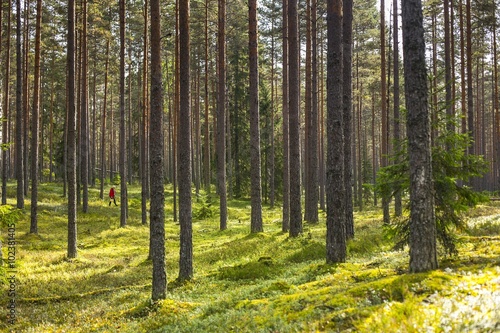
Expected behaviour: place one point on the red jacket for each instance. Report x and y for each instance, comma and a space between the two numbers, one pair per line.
112, 193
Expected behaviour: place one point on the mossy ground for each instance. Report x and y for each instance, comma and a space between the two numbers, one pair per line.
244, 282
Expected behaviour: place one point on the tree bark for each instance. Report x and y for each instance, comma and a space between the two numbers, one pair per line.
311, 213
103, 128
35, 123
255, 170
206, 155
157, 210
122, 137
19, 112
286, 144
470, 96
383, 99
84, 132
6, 106
423, 255
71, 163
398, 207
221, 117
294, 121
144, 122
335, 186
25, 95
184, 151
347, 114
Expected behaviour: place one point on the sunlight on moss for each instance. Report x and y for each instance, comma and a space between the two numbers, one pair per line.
469, 303
264, 282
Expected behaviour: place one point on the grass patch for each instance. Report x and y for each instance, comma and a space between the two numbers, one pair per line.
264, 282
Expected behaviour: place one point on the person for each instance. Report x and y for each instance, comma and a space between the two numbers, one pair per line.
112, 196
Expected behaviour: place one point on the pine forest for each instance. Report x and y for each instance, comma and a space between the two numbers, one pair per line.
270, 166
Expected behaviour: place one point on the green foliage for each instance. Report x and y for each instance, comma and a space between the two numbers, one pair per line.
264, 268
203, 208
9, 215
452, 168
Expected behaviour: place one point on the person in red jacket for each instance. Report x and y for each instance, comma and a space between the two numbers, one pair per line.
112, 196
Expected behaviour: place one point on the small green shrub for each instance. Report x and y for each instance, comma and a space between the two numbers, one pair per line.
311, 251
261, 269
452, 169
204, 208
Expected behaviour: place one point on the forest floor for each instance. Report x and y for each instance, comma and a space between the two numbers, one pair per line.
243, 282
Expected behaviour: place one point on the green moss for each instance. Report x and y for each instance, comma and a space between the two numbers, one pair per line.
311, 251
262, 269
243, 282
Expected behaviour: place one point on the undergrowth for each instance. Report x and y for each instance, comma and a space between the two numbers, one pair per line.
244, 282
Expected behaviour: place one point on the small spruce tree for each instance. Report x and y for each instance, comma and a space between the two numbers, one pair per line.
452, 169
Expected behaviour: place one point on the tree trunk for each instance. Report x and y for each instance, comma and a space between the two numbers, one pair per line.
294, 121
286, 144
111, 140
129, 124
25, 96
6, 106
19, 112
447, 68
347, 114
103, 128
144, 122
206, 155
255, 177
374, 150
335, 185
398, 207
321, 134
157, 209
307, 114
463, 87
496, 117
423, 255
35, 123
84, 149
71, 164
221, 118
122, 136
470, 96
184, 151
311, 213
93, 158
383, 100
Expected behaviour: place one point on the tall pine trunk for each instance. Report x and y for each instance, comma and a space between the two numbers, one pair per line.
84, 133
256, 195
221, 115
335, 187
294, 121
71, 133
398, 207
103, 128
347, 114
6, 106
206, 148
35, 126
122, 135
311, 209
184, 151
157, 209
383, 99
423, 255
144, 122
286, 145
19, 112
